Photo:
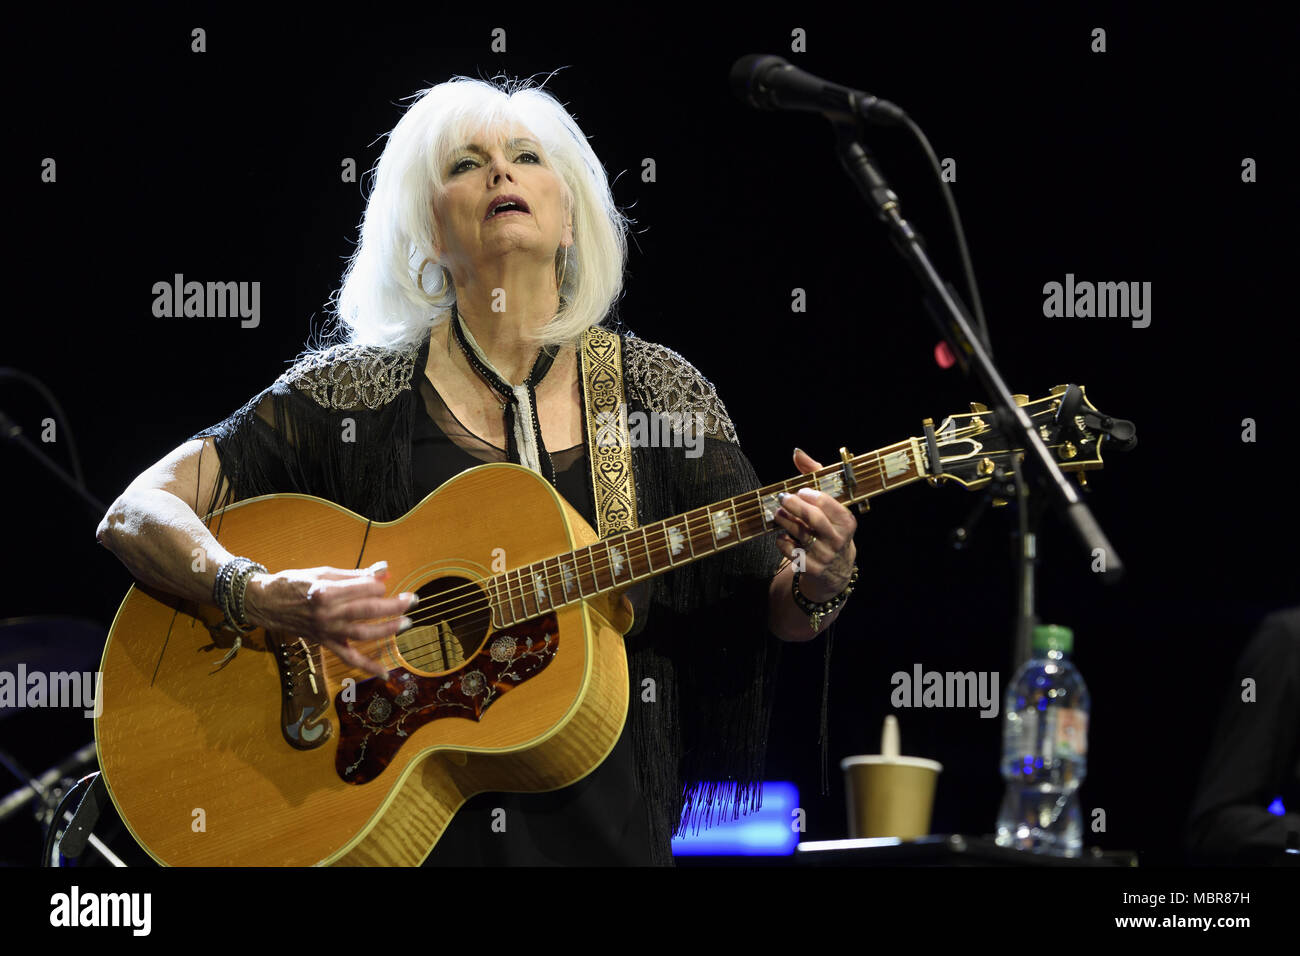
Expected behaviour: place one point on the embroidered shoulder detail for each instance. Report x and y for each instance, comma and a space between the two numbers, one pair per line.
345, 376
670, 384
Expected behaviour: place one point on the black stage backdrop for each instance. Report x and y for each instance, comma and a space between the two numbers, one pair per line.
1123, 165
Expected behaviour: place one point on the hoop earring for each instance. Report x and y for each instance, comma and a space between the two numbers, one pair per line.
419, 278
559, 288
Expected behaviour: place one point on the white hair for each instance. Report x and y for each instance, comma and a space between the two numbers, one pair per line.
381, 301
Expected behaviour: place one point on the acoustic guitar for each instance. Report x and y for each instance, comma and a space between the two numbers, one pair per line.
514, 677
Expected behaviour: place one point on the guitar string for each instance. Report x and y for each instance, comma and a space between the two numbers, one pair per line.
746, 511
425, 611
414, 653
476, 594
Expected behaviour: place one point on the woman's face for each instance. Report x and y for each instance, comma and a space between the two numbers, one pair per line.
475, 227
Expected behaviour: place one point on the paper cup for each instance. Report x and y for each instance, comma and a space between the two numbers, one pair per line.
889, 796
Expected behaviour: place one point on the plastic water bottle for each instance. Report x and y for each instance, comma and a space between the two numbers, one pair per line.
1045, 749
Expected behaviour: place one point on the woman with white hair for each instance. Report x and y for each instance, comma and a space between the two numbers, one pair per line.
490, 245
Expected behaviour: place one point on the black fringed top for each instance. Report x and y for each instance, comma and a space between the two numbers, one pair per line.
692, 756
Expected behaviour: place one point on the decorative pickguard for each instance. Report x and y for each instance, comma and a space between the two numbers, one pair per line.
386, 712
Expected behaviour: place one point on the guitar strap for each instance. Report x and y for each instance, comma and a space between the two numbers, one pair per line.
609, 447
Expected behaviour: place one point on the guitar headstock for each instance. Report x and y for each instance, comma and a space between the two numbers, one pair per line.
971, 447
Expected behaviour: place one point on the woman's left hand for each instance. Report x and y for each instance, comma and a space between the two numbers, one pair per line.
823, 528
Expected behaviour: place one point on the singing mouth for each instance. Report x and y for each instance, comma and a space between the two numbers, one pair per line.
506, 204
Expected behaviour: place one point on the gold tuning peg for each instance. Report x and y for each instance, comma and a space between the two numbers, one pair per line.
1058, 389
978, 407
1083, 479
1021, 399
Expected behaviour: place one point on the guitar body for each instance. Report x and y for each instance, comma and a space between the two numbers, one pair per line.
265, 760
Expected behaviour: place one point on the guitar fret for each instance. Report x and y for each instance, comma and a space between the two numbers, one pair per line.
553, 584
660, 546
537, 579
517, 614
632, 557
569, 579
674, 543
830, 481
649, 558
522, 584
616, 551
690, 532
523, 593
494, 603
604, 567
891, 464
591, 562
517, 589
577, 576
503, 601
723, 523
646, 550
530, 588
753, 524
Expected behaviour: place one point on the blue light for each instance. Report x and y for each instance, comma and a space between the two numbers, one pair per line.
1276, 807
766, 832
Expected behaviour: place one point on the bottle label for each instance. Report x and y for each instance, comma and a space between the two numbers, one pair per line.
1065, 733
1068, 732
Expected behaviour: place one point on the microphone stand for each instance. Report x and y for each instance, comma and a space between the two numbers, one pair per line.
953, 322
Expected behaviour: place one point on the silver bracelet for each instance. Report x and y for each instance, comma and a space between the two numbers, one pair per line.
228, 592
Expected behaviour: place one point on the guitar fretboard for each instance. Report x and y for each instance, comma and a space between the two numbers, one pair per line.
621, 560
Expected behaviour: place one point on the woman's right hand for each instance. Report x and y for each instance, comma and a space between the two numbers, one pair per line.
335, 607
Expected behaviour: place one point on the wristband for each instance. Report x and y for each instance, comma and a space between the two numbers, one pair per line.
816, 611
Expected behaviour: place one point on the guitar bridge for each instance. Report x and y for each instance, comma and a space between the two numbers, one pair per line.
303, 697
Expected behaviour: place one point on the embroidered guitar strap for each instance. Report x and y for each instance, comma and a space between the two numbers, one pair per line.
609, 447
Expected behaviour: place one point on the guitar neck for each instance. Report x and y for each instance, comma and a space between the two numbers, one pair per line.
621, 560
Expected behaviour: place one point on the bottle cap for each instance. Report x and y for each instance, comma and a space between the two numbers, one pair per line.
1053, 637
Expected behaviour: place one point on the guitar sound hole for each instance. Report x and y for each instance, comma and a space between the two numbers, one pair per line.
451, 624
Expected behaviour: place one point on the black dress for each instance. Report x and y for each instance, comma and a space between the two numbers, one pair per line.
601, 819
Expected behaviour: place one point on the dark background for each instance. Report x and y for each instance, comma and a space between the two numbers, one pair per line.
1121, 166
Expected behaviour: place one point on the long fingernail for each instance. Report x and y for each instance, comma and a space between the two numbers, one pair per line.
407, 624
799, 451
411, 599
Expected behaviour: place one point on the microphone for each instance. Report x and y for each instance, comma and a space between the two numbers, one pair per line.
770, 83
